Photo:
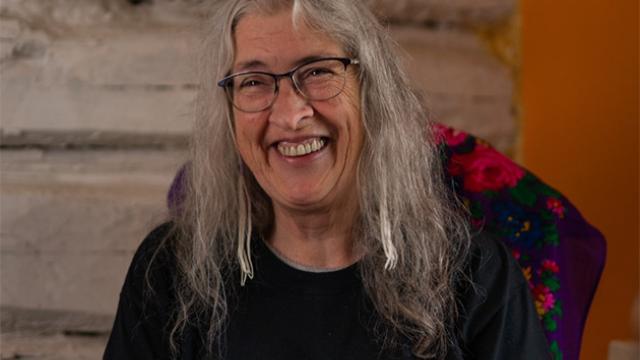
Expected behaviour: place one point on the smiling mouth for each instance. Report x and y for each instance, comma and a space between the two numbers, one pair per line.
306, 147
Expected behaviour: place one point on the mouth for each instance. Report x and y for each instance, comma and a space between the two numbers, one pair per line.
302, 148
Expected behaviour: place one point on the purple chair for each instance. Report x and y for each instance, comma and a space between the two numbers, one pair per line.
560, 253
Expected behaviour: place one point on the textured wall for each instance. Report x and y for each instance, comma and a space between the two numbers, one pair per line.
73, 69
95, 109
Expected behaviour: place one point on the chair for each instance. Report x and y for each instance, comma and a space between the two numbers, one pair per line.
560, 254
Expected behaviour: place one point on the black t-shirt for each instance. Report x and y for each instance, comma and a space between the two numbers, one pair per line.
289, 314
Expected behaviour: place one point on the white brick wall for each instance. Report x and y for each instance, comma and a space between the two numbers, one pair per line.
71, 221
110, 72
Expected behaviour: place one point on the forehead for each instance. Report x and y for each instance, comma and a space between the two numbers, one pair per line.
273, 42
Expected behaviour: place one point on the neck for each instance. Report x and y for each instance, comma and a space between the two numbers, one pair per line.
318, 239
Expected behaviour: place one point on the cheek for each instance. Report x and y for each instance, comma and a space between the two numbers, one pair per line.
246, 128
249, 141
351, 104
353, 119
343, 111
243, 140
240, 135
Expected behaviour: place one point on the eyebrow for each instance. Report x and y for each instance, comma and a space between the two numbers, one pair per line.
254, 63
245, 65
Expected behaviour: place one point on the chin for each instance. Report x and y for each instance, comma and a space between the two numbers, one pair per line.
302, 197
304, 200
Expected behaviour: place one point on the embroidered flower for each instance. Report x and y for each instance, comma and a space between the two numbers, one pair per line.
450, 136
518, 226
543, 299
550, 265
527, 273
556, 207
477, 223
485, 169
549, 302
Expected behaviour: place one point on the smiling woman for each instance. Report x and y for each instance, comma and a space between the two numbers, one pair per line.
316, 224
273, 142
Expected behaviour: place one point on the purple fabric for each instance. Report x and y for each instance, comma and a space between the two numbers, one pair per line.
561, 255
582, 249
175, 196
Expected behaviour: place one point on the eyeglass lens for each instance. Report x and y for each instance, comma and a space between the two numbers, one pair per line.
319, 80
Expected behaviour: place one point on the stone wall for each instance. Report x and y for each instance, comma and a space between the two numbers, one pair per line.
95, 111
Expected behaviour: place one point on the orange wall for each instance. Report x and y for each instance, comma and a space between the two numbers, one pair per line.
580, 134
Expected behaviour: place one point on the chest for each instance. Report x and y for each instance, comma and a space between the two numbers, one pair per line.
270, 323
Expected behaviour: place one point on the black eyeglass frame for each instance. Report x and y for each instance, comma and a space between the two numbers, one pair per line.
227, 82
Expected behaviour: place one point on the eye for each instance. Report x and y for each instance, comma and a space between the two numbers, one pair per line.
316, 72
252, 81
246, 83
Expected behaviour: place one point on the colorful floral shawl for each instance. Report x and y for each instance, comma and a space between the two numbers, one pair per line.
561, 255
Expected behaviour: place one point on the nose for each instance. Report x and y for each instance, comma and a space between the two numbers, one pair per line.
289, 109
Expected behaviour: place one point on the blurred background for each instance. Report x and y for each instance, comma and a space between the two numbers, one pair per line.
95, 111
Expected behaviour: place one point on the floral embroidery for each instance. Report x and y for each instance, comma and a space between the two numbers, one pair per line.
510, 202
550, 265
556, 207
451, 136
527, 273
543, 299
516, 225
485, 169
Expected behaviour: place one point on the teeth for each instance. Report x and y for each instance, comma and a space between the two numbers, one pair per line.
301, 149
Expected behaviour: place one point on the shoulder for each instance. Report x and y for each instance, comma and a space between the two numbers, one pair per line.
490, 264
156, 240
492, 276
153, 265
146, 302
497, 318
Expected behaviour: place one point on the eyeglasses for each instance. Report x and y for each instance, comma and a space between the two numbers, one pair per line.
320, 79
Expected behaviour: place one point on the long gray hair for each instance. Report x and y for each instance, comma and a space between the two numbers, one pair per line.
415, 238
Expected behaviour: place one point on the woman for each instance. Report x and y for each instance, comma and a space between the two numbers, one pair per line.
316, 224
